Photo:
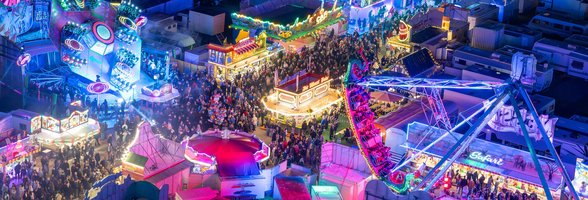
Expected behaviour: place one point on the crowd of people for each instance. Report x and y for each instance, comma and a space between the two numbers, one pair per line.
65, 174
204, 104
477, 186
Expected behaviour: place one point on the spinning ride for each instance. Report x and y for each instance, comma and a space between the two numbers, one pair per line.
426, 91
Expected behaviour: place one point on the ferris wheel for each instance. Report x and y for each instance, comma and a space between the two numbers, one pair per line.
426, 92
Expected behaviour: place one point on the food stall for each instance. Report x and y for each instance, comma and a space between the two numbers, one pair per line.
301, 96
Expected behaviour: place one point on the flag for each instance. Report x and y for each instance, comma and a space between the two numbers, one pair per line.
297, 77
276, 77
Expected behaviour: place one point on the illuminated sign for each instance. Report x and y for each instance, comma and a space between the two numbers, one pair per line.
23, 59
98, 87
404, 31
479, 156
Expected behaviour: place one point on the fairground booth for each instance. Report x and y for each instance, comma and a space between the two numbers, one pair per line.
301, 96
155, 159
248, 54
291, 21
15, 142
344, 173
52, 132
509, 166
581, 177
228, 161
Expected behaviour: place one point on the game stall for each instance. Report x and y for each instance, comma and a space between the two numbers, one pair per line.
301, 96
286, 30
511, 167
68, 131
248, 54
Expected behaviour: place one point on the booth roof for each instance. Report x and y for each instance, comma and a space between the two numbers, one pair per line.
136, 159
286, 14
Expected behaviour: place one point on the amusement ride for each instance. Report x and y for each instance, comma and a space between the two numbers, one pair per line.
358, 84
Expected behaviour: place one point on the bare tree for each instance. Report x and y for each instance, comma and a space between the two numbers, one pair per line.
550, 168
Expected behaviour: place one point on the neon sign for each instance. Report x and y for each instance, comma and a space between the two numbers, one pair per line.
23, 59
479, 156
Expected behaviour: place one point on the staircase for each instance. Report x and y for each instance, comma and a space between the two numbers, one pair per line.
396, 157
221, 38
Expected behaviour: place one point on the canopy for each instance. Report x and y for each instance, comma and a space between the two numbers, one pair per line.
292, 188
385, 96
237, 164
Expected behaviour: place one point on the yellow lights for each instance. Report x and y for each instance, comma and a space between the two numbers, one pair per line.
127, 22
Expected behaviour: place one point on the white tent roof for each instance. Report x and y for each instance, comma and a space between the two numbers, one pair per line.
160, 152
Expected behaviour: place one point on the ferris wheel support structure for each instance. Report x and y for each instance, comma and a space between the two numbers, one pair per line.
506, 92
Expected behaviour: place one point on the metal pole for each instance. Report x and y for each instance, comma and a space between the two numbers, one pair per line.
438, 139
531, 149
548, 143
476, 128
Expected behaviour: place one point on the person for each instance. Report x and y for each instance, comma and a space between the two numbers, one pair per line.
465, 191
583, 187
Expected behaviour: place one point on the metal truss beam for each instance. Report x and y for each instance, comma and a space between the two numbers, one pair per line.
402, 82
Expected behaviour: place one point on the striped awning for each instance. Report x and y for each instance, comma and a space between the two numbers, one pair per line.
246, 48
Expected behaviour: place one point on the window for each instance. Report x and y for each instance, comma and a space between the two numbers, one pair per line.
22, 127
558, 26
577, 65
461, 61
577, 30
536, 21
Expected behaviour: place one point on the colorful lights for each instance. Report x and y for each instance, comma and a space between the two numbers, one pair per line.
103, 32
10, 3
318, 20
80, 3
404, 31
74, 60
74, 28
23, 59
126, 37
129, 10
73, 44
127, 22
127, 57
98, 87
141, 21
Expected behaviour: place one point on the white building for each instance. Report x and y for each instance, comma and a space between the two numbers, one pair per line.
558, 23
576, 8
206, 21
476, 64
487, 36
479, 13
493, 35
564, 56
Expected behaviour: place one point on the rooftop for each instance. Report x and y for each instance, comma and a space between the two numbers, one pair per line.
491, 25
578, 39
562, 45
478, 9
418, 62
211, 11
286, 14
488, 72
426, 34
521, 30
561, 16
